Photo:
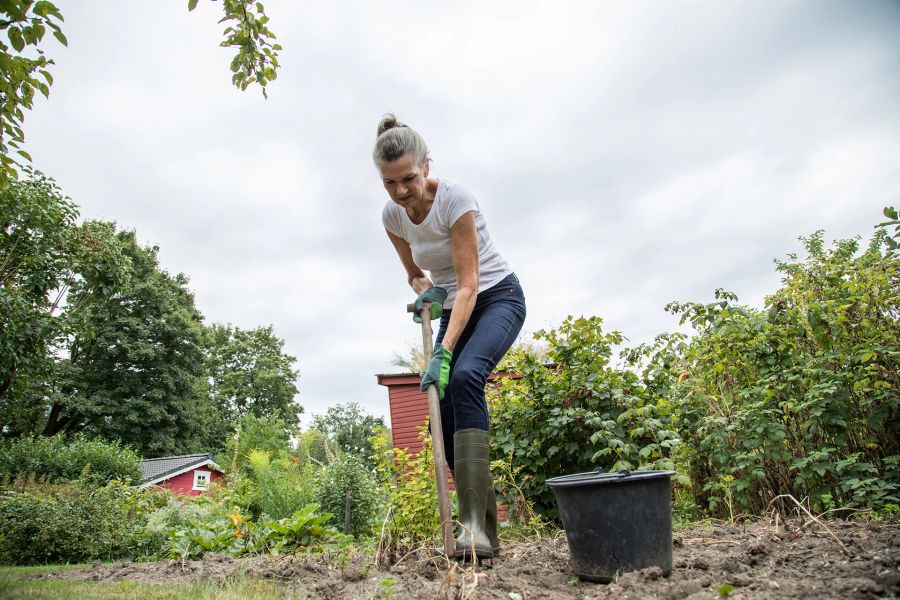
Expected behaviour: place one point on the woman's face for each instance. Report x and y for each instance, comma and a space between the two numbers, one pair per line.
404, 180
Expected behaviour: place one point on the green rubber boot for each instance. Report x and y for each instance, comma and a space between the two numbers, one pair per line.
490, 520
473, 478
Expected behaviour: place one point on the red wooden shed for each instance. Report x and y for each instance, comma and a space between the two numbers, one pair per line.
188, 474
409, 405
409, 408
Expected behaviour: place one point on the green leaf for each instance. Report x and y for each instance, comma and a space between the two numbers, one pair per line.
62, 38
16, 39
890, 212
192, 4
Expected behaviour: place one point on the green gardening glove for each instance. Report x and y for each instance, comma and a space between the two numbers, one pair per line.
436, 296
438, 371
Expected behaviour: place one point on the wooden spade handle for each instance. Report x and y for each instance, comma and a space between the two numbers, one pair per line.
437, 438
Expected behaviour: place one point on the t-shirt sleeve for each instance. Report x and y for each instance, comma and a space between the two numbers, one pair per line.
459, 201
390, 219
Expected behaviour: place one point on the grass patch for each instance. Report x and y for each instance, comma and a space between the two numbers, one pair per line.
15, 585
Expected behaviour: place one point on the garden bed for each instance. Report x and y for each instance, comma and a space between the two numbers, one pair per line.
758, 560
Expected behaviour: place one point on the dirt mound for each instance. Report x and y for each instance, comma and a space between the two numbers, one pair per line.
756, 560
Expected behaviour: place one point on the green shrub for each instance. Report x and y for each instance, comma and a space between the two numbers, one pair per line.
178, 513
801, 398
255, 433
71, 522
92, 460
305, 529
411, 518
348, 474
279, 490
577, 414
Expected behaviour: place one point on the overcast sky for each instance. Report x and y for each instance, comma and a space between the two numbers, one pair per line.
625, 154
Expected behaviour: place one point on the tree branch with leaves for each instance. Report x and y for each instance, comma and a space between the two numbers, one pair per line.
24, 66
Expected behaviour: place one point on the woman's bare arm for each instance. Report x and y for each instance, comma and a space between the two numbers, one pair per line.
464, 244
414, 275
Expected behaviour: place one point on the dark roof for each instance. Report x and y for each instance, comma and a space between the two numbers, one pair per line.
158, 468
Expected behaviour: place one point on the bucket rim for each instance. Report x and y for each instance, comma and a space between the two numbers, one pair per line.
600, 477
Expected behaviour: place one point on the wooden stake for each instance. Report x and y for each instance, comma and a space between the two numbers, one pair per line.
437, 438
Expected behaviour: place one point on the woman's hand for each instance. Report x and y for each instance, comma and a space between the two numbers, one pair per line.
438, 371
436, 296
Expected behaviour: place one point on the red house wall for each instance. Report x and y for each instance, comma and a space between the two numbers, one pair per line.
409, 409
183, 484
409, 406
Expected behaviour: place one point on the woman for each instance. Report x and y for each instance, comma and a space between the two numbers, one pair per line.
435, 225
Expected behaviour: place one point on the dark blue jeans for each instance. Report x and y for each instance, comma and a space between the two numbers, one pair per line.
491, 330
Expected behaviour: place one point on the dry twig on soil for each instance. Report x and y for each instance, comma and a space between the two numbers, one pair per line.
812, 517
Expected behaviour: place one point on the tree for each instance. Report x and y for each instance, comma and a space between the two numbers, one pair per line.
43, 253
25, 67
132, 358
349, 428
249, 373
269, 434
36, 229
256, 60
25, 23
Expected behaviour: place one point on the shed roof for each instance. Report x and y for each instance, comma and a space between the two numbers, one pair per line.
156, 469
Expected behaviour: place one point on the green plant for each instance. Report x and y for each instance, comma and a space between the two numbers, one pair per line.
278, 488
91, 460
387, 588
348, 475
177, 514
305, 529
724, 590
800, 398
412, 518
522, 521
577, 412
349, 428
43, 522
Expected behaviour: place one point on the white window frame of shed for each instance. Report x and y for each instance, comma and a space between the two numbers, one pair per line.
197, 485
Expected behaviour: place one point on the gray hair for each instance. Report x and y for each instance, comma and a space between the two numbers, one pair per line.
395, 140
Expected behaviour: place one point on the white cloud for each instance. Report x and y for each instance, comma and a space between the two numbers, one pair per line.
625, 154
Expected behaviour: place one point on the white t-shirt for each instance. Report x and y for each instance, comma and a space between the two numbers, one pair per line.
430, 240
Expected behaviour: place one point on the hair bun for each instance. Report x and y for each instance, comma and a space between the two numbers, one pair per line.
388, 121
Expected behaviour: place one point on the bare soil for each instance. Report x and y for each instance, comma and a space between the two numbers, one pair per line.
759, 560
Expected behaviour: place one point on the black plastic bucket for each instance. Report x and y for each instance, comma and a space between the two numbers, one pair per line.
616, 522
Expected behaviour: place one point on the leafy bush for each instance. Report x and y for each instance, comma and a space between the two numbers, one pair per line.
349, 428
178, 513
348, 475
305, 529
801, 398
412, 518
279, 490
93, 460
315, 447
72, 522
255, 433
577, 413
